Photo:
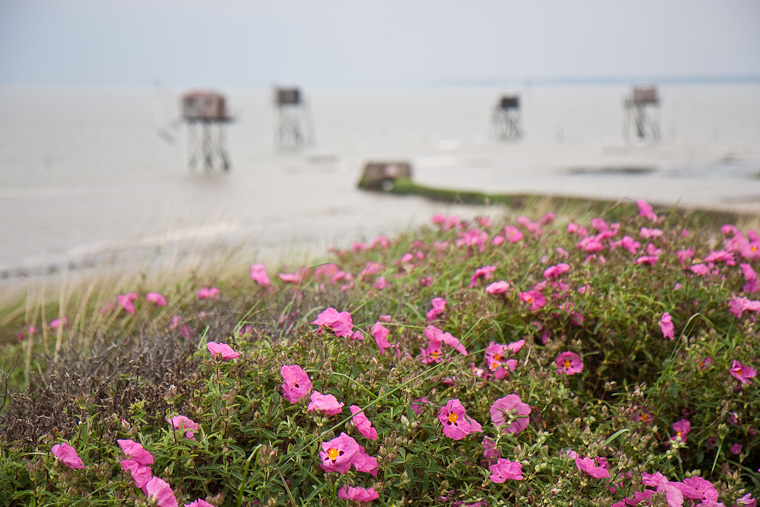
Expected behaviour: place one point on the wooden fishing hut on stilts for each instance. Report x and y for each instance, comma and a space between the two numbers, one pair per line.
643, 110
206, 115
294, 128
507, 118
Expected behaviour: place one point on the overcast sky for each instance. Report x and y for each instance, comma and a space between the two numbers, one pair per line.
371, 42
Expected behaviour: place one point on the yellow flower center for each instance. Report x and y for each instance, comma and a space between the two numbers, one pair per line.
644, 417
497, 357
679, 433
530, 299
453, 417
753, 248
495, 365
333, 453
435, 353
738, 371
567, 363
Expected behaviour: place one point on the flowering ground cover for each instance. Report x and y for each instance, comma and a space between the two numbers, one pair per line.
526, 361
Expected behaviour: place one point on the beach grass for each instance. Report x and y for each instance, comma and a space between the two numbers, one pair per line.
578, 354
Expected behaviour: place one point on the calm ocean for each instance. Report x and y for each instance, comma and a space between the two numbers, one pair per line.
83, 172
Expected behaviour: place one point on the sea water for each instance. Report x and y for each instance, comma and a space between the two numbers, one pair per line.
84, 173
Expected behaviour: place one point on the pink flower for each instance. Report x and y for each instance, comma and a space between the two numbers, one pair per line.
208, 293
688, 491
199, 503
156, 298
750, 275
505, 469
457, 425
439, 306
647, 233
534, 298
159, 490
339, 322
357, 494
338, 454
489, 448
751, 250
259, 275
548, 217
435, 337
736, 449
682, 429
747, 500
380, 333
362, 423
555, 271
328, 270
381, 283
705, 487
569, 363
495, 358
590, 244
737, 306
447, 223
484, 272
180, 422
510, 413
125, 301
499, 287
221, 349
588, 466
363, 462
742, 372
645, 210
666, 326
472, 238
61, 322
513, 234
673, 495
297, 383
569, 453
650, 260
653, 480
135, 451
720, 256
67, 455
176, 322
326, 403
628, 243
432, 353
418, 404
141, 474
294, 278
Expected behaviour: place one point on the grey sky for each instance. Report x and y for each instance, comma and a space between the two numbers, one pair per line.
371, 42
